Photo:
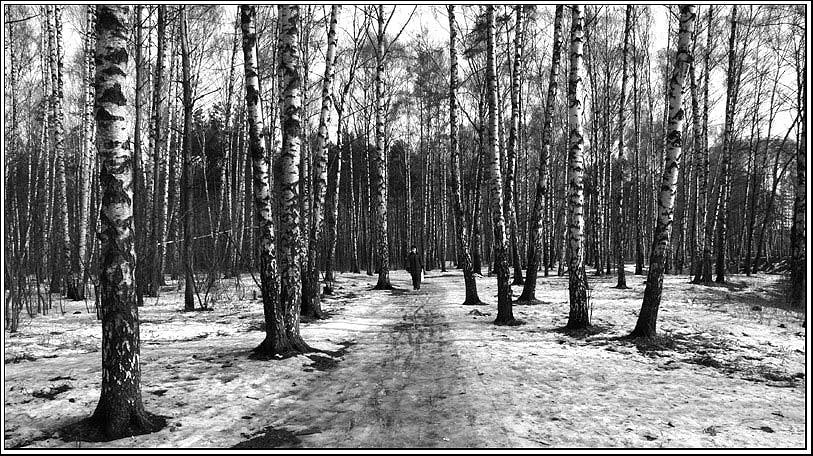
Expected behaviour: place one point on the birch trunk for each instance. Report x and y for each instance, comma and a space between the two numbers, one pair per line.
187, 260
505, 314
461, 225
311, 306
647, 318
511, 153
275, 336
725, 190
160, 162
579, 316
120, 411
139, 204
289, 68
624, 177
704, 271
61, 223
538, 218
379, 164
702, 169
88, 158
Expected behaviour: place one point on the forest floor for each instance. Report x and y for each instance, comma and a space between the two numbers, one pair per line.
417, 369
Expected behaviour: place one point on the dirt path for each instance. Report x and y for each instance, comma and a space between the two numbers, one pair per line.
402, 384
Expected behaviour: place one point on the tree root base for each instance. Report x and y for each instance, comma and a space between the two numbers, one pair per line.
97, 429
638, 333
267, 351
509, 322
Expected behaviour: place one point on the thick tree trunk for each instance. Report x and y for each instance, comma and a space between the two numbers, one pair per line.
647, 318
275, 341
290, 66
120, 411
538, 220
579, 305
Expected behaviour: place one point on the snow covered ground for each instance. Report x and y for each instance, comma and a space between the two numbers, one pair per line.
420, 370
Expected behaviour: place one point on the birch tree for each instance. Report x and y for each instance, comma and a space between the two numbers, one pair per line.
67, 284
647, 318
624, 177
703, 269
160, 162
379, 164
332, 216
538, 216
275, 336
511, 153
579, 316
461, 225
120, 411
289, 68
88, 158
732, 83
187, 260
311, 306
139, 187
505, 315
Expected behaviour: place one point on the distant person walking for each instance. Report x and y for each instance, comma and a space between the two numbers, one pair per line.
415, 267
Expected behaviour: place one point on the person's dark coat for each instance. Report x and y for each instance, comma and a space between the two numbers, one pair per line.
414, 265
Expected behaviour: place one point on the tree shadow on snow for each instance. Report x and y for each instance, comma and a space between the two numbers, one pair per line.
710, 351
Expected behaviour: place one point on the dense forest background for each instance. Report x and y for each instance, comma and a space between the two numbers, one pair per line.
51, 177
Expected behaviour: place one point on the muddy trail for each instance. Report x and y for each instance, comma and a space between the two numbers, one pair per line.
402, 384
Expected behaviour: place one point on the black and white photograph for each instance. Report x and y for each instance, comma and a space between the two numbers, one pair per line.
405, 227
